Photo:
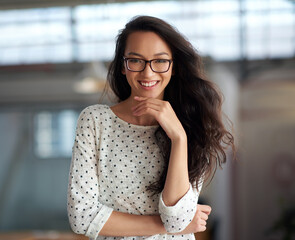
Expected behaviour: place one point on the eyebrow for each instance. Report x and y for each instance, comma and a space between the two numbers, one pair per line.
139, 55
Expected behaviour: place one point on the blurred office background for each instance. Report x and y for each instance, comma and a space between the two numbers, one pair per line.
53, 63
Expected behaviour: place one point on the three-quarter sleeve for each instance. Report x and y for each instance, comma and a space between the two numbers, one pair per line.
176, 218
86, 214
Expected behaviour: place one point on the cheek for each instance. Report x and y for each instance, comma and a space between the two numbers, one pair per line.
130, 77
168, 77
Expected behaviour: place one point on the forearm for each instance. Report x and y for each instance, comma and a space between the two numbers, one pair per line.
177, 179
124, 224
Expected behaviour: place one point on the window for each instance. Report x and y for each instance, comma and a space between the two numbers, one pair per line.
54, 133
222, 29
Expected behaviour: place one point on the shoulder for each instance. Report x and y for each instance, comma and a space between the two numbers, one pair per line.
91, 114
95, 109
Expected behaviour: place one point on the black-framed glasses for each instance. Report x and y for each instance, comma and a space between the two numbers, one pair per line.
157, 65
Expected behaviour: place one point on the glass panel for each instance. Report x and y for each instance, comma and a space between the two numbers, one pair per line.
55, 133
281, 5
281, 48
224, 6
96, 30
254, 5
93, 51
35, 36
50, 35
34, 15
256, 49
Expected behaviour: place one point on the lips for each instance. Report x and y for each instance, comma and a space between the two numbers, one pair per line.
148, 84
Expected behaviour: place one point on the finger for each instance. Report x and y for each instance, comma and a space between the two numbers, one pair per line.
149, 102
203, 222
205, 208
204, 216
201, 229
144, 99
146, 110
138, 98
153, 100
145, 105
208, 210
146, 102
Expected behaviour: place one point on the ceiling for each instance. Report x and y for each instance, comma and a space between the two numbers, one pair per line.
21, 4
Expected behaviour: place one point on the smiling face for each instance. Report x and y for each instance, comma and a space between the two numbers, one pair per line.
147, 46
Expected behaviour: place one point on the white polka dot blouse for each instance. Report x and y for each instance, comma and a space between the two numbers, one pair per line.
112, 164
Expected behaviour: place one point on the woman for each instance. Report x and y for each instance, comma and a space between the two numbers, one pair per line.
138, 166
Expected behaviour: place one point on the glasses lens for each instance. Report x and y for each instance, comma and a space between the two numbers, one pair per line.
135, 64
157, 65
160, 65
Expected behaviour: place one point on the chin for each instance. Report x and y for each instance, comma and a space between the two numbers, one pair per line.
155, 96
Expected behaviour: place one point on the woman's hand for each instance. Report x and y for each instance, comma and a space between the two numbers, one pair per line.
199, 222
163, 113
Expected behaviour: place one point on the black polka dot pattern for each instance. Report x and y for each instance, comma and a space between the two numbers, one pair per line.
179, 216
112, 164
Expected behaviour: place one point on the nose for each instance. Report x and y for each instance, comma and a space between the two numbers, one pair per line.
148, 70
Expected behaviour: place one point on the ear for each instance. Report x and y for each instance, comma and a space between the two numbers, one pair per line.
123, 71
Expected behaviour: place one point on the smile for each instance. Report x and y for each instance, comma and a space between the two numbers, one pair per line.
148, 84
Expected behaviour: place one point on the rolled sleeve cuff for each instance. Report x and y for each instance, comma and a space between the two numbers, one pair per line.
176, 218
98, 222
178, 207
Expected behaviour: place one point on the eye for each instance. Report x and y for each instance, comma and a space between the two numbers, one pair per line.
134, 60
161, 61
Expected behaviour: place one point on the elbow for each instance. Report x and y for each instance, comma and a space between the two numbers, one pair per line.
76, 224
76, 227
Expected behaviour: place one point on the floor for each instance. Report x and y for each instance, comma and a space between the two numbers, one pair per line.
38, 235
53, 235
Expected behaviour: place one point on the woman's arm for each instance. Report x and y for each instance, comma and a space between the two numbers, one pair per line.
177, 180
178, 200
124, 224
86, 213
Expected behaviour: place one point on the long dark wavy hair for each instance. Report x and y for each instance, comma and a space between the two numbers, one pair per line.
195, 100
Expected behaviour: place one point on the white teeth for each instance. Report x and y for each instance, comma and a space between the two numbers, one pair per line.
148, 84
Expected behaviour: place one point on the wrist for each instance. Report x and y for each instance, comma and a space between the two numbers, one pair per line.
181, 137
158, 224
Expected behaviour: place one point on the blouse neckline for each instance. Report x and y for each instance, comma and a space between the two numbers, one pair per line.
130, 124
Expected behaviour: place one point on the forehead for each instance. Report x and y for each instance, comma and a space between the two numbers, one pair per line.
146, 44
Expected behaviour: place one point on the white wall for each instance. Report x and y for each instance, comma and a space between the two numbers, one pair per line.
266, 169
219, 192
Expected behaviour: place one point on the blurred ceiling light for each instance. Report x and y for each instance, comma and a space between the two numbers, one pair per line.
92, 79
89, 85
